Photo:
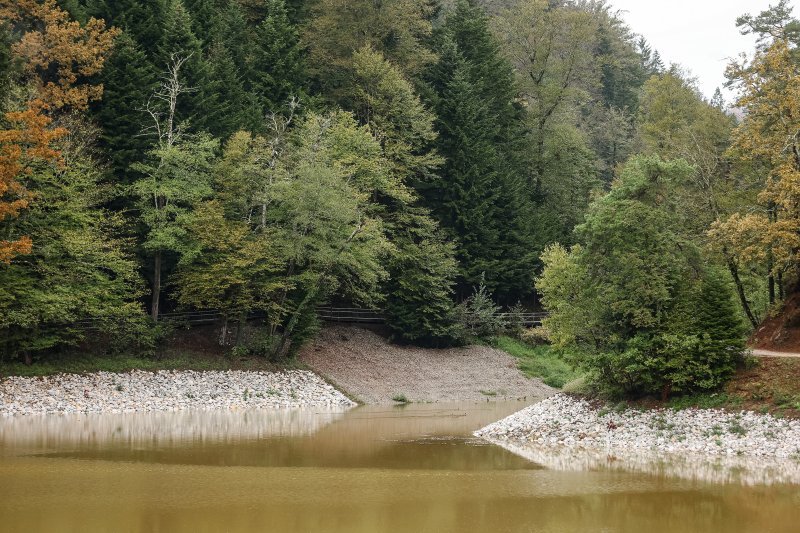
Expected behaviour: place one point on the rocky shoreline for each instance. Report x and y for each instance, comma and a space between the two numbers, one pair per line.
568, 433
138, 391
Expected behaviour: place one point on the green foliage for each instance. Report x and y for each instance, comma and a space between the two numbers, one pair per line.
79, 273
175, 177
229, 106
129, 79
286, 233
542, 362
277, 71
179, 41
477, 196
479, 315
396, 28
422, 270
142, 20
635, 298
385, 100
6, 63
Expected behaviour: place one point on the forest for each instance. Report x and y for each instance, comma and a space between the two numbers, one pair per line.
440, 160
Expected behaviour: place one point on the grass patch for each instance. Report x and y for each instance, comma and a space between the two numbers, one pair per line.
539, 361
488, 392
703, 401
400, 398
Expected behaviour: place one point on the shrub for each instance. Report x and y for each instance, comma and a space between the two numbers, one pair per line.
646, 315
480, 316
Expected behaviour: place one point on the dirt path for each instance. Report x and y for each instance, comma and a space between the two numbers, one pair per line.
372, 370
770, 353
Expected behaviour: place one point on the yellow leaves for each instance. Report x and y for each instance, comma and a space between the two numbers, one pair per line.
29, 142
58, 55
58, 52
768, 139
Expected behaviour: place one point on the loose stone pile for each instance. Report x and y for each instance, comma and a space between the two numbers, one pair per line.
137, 391
565, 433
566, 422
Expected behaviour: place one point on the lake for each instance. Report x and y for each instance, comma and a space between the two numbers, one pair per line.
413, 468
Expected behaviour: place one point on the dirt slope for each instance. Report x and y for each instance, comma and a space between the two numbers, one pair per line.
368, 367
781, 332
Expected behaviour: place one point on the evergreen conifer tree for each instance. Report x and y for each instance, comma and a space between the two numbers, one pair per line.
128, 81
142, 20
5, 64
180, 41
228, 101
422, 272
237, 37
718, 323
277, 67
206, 20
479, 196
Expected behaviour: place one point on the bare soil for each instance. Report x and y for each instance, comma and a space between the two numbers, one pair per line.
781, 332
372, 370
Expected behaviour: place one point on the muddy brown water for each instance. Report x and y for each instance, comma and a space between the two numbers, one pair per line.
370, 469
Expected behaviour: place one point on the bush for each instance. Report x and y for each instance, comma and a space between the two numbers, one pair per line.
480, 316
634, 301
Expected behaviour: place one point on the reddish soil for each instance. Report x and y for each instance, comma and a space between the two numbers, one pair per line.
780, 333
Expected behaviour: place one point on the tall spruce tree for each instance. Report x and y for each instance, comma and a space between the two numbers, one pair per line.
5, 64
142, 20
206, 20
479, 198
276, 72
179, 41
128, 80
228, 103
237, 36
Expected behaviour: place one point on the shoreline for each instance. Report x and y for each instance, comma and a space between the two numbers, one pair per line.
166, 390
568, 433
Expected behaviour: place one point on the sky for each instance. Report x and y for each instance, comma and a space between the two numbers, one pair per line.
700, 35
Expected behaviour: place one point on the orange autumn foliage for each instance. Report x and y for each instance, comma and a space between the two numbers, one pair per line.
58, 53
28, 142
58, 56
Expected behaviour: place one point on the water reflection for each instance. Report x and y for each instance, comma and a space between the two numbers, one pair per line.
426, 436
159, 429
717, 469
367, 470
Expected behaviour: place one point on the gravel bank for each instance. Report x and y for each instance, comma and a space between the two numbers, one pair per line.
373, 370
568, 433
137, 391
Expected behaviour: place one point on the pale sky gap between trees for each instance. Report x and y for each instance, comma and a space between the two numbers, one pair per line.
700, 35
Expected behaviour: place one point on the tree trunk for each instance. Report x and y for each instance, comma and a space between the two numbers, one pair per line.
665, 392
734, 270
156, 286
240, 328
27, 358
223, 337
781, 294
771, 287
